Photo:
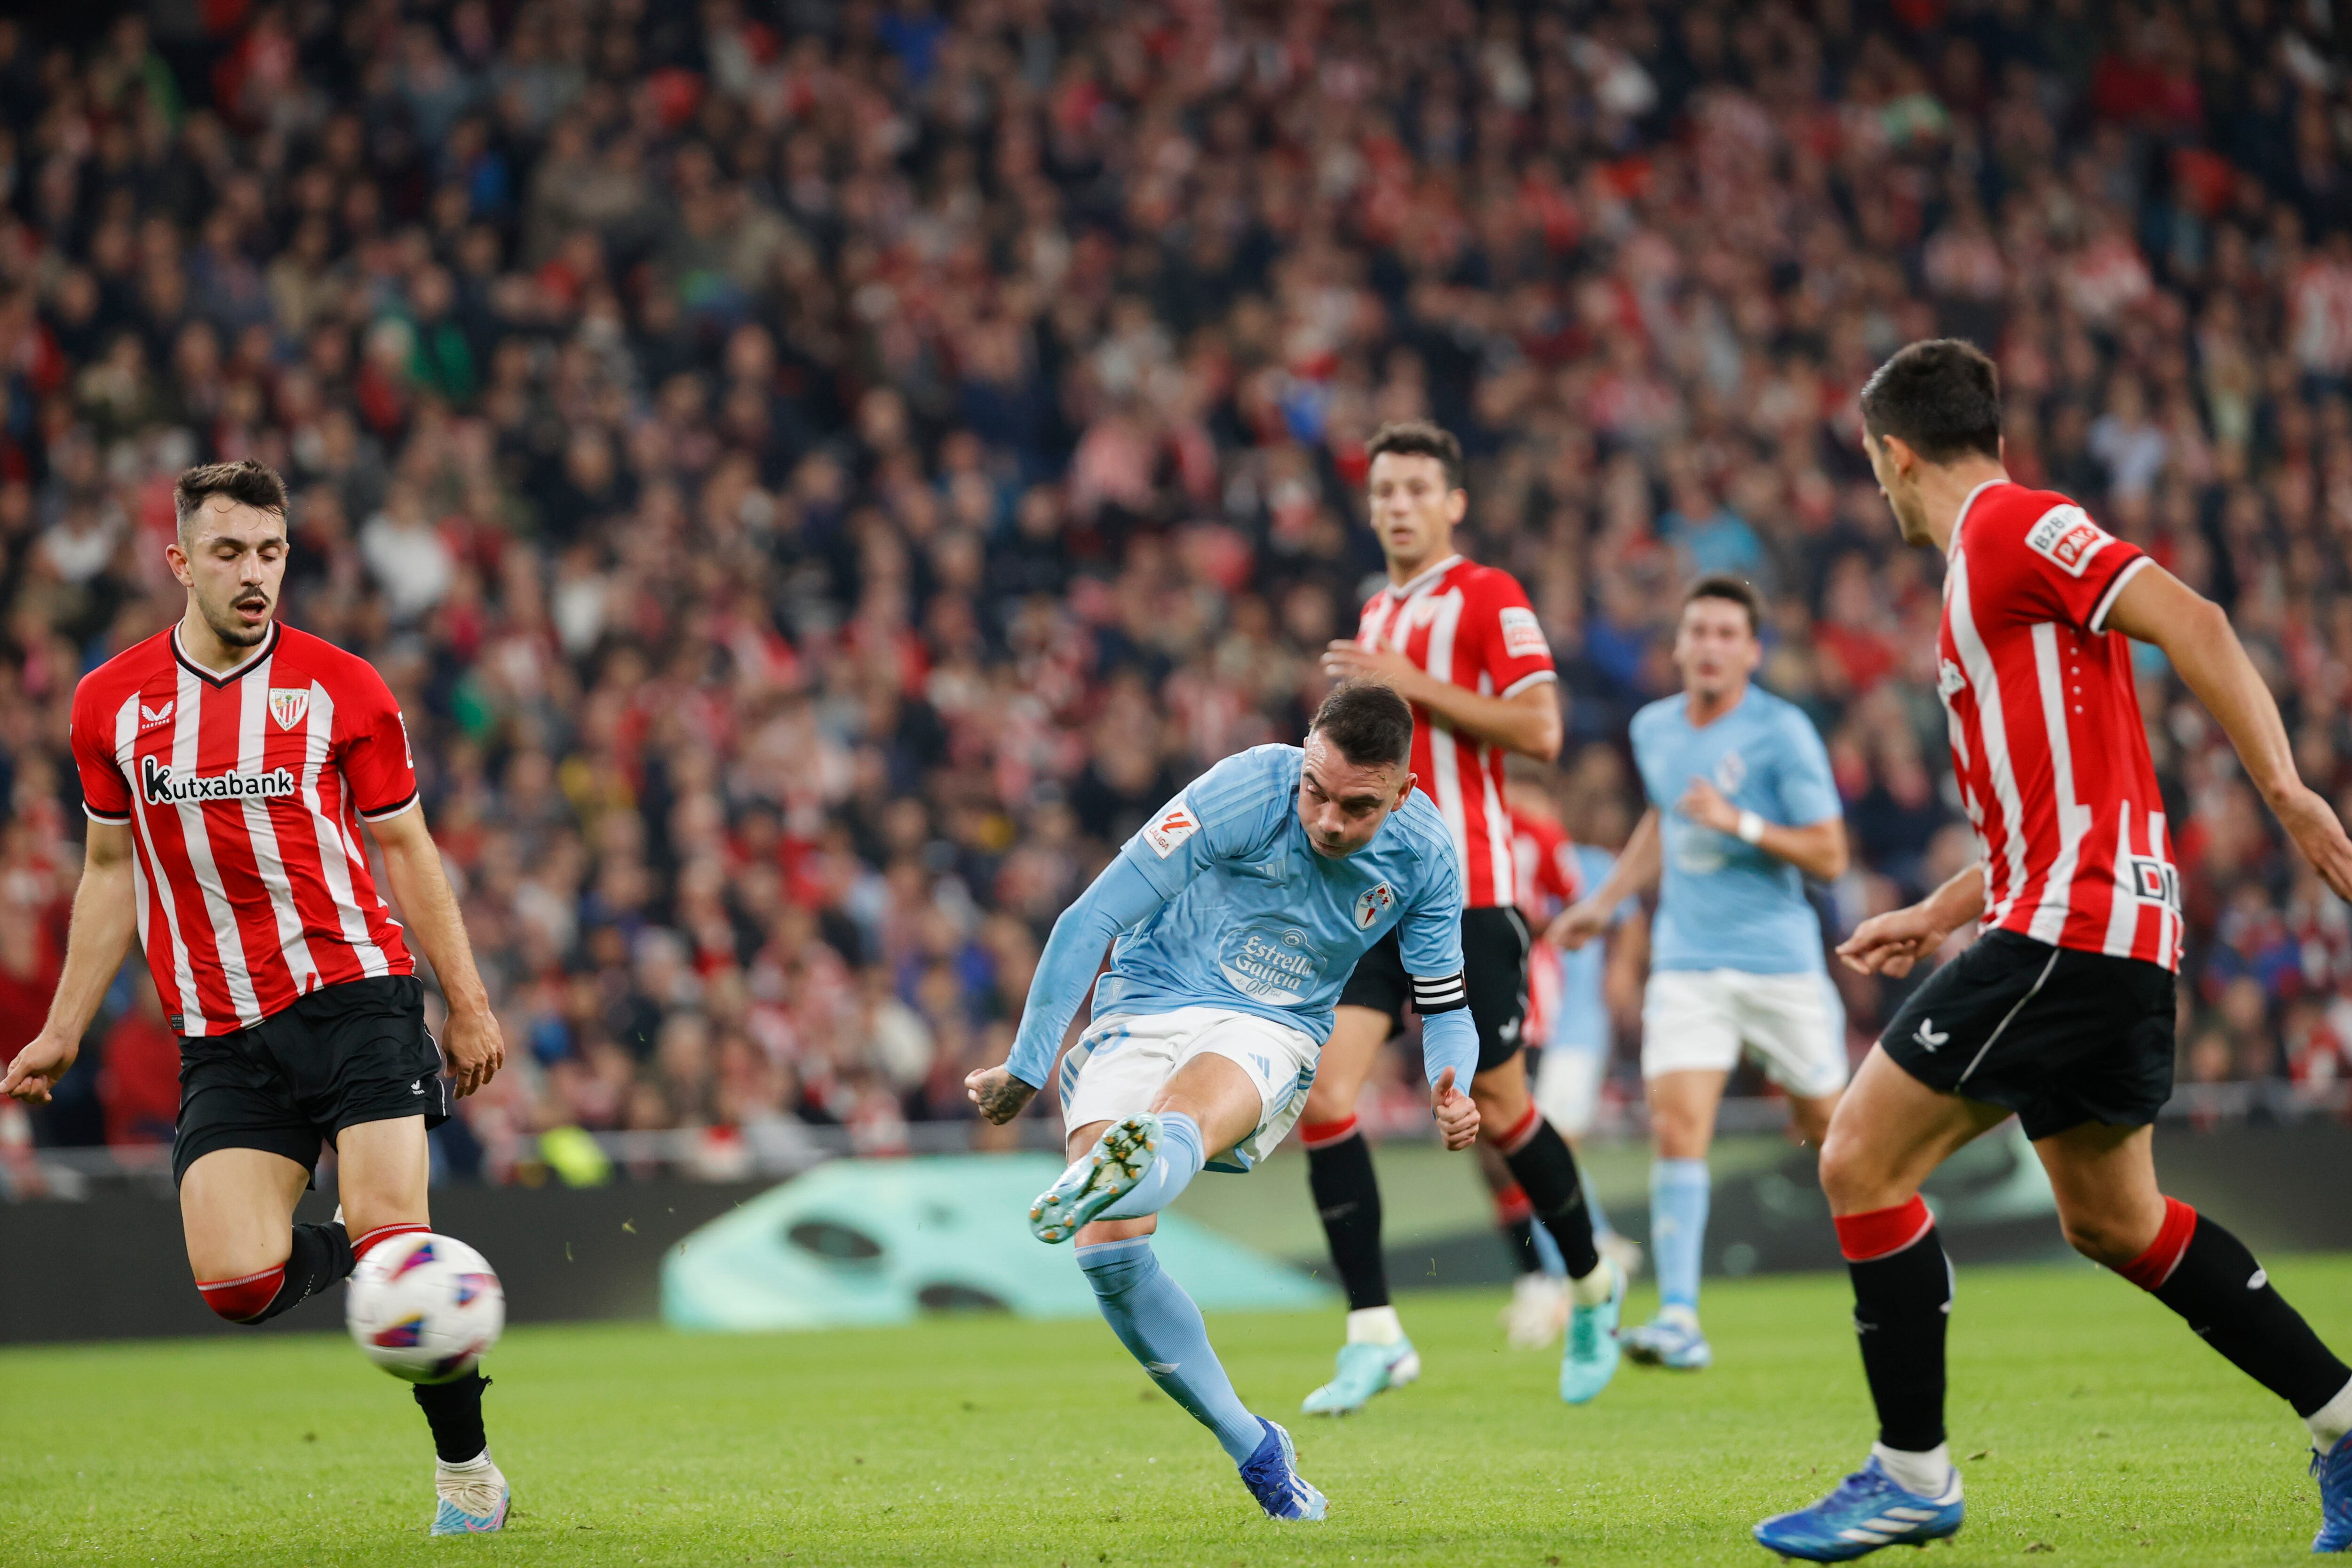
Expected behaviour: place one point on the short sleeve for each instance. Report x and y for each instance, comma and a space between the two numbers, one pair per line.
374, 753
1221, 814
2067, 568
1806, 789
105, 793
1516, 654
1429, 937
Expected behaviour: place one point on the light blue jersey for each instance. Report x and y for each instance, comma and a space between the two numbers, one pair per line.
1221, 901
1724, 904
1581, 1023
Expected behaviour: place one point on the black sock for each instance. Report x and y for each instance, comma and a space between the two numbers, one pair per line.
1347, 1196
1901, 1304
322, 1255
1519, 1237
2263, 1336
454, 1411
1545, 1171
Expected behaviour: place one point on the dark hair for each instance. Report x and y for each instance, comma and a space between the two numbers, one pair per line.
1369, 723
1419, 438
1738, 590
1941, 396
246, 482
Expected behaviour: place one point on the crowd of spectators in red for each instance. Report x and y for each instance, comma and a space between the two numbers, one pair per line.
816, 474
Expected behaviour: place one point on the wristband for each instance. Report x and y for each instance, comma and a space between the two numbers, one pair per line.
1751, 827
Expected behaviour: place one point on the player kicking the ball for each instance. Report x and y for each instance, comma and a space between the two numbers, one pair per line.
1233, 917
1459, 641
227, 764
1742, 810
2062, 1010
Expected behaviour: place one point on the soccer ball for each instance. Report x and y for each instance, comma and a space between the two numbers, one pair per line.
425, 1308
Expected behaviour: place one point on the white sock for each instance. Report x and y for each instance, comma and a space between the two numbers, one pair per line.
2332, 1420
1374, 1326
1928, 1475
479, 1462
1594, 1288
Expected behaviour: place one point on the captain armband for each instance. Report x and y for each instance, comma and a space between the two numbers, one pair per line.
1442, 993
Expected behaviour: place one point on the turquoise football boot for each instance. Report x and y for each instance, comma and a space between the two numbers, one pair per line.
1364, 1370
1097, 1179
1589, 1358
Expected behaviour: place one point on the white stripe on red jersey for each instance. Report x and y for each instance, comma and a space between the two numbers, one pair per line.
244, 792
2047, 741
1469, 626
1547, 881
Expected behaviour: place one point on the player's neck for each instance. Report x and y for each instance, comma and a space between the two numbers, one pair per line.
1703, 709
203, 646
1404, 569
1945, 488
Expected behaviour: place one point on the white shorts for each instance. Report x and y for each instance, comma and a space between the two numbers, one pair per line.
1119, 1065
1568, 1085
1699, 1019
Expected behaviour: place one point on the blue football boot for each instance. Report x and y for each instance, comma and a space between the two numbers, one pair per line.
2333, 1470
1868, 1512
1669, 1341
1364, 1370
1589, 1359
1097, 1179
1271, 1473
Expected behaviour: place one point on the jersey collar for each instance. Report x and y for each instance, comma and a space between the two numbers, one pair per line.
269, 645
1966, 502
1426, 578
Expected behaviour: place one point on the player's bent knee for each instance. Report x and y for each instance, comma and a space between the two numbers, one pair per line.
244, 1299
1852, 1179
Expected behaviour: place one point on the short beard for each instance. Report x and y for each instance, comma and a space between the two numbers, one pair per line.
234, 632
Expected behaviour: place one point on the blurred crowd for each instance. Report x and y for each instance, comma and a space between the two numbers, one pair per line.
816, 474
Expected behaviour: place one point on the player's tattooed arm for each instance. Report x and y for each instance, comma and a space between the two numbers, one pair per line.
1892, 943
999, 1096
105, 915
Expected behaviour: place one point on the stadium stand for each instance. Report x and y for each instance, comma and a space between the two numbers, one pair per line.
816, 476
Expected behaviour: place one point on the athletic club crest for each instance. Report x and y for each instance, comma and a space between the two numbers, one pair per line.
287, 704
1372, 904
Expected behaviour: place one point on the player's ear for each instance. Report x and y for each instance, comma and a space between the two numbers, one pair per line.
1457, 506
1404, 790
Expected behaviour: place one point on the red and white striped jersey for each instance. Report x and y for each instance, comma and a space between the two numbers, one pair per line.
2047, 742
1548, 880
1472, 626
245, 791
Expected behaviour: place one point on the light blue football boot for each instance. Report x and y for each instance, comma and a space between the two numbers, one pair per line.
1868, 1510
1589, 1359
1097, 1179
1271, 1473
2333, 1470
473, 1500
1671, 1341
1364, 1370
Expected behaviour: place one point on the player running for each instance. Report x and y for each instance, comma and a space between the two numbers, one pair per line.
1235, 915
2061, 1012
227, 764
1742, 810
1460, 643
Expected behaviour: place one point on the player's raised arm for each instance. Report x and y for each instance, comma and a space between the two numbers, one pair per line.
104, 915
2155, 607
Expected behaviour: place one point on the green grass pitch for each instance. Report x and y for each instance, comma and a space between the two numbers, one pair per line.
2101, 1431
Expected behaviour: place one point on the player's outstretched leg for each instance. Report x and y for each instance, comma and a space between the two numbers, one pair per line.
1679, 1193
2204, 1273
1137, 1167
1162, 1327
1377, 1356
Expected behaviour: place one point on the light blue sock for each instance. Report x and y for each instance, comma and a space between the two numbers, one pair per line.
1180, 1159
1162, 1329
1601, 1228
1679, 1195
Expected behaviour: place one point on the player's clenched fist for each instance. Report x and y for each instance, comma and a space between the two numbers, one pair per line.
1892, 943
999, 1096
1456, 1113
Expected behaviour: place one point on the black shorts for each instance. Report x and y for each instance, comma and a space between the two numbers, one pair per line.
1494, 972
343, 1055
2059, 1036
